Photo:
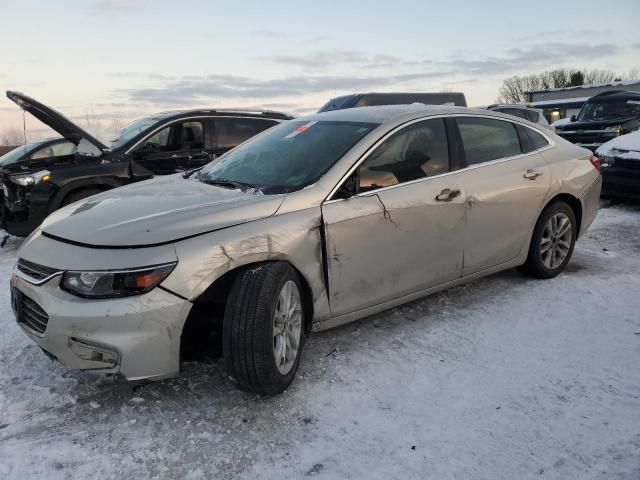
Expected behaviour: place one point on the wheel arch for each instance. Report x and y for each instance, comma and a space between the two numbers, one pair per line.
573, 202
75, 186
212, 302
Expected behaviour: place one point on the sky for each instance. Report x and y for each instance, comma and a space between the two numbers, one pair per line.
119, 59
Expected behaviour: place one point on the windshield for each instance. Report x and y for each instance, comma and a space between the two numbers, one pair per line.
18, 153
287, 157
609, 110
131, 130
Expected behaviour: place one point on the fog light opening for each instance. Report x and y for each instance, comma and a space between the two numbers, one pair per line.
100, 356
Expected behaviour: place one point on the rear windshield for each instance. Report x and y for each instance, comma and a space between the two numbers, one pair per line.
338, 103
287, 157
609, 110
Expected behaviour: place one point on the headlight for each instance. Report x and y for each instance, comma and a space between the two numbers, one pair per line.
111, 284
617, 130
29, 179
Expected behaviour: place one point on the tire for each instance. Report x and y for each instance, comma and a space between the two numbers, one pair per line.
551, 239
79, 195
251, 321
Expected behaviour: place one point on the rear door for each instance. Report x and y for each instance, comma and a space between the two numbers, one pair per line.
232, 131
506, 180
404, 231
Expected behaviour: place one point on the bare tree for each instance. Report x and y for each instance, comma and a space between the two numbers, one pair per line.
634, 74
598, 76
514, 89
13, 137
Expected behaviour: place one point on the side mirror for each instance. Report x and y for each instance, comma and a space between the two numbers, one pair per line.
573, 118
350, 187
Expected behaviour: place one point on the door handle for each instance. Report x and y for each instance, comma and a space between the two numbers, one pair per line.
532, 174
447, 195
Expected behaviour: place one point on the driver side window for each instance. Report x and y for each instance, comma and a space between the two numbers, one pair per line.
177, 136
417, 151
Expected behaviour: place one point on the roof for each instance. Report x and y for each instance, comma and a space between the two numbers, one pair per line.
615, 94
386, 113
559, 101
593, 85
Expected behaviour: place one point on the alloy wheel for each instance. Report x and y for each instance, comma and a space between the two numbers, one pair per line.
287, 327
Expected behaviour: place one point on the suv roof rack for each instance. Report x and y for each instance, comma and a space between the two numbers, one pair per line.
264, 113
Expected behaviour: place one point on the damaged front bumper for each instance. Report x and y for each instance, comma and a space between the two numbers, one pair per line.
138, 336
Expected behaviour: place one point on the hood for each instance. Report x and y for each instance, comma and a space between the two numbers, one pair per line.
157, 211
592, 125
625, 143
87, 143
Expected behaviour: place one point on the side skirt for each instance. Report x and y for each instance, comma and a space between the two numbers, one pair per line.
365, 312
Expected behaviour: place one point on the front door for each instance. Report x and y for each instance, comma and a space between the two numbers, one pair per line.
175, 148
404, 231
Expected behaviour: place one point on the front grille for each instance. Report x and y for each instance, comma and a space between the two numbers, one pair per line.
626, 163
35, 271
33, 316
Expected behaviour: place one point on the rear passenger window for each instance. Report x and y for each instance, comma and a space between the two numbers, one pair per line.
417, 151
486, 139
537, 140
231, 131
533, 116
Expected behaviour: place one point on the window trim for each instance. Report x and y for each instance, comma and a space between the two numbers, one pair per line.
329, 198
450, 160
183, 119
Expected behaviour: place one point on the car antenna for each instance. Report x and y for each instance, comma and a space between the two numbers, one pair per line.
24, 133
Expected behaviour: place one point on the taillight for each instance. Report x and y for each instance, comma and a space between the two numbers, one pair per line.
595, 161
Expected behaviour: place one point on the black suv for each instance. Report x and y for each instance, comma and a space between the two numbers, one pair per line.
602, 118
35, 184
374, 99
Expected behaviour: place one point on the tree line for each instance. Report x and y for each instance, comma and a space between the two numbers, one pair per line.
514, 89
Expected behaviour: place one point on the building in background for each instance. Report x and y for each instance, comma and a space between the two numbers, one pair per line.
557, 103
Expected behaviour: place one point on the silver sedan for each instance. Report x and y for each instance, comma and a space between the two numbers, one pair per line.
314, 223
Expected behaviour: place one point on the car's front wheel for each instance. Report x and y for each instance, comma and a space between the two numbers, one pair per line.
552, 242
263, 329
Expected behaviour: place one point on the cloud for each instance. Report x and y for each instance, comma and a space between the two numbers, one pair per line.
394, 73
118, 6
535, 57
317, 59
197, 89
321, 59
272, 34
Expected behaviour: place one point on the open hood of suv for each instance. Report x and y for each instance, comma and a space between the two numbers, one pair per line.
157, 211
59, 123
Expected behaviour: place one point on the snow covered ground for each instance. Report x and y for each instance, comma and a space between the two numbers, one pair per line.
504, 378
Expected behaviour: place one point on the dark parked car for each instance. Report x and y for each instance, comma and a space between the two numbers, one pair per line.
39, 182
375, 99
534, 115
602, 118
620, 159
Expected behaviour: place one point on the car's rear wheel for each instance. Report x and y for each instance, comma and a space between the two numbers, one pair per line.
552, 242
263, 329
